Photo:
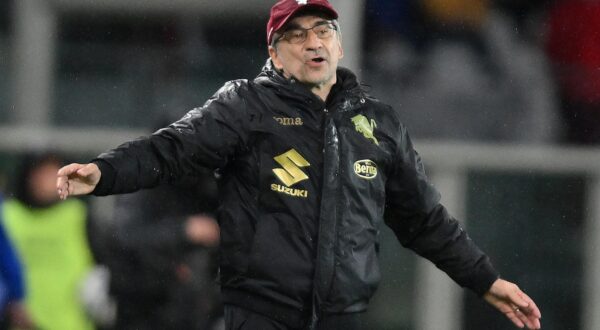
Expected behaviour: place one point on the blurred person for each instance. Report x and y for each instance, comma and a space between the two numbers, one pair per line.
396, 34
310, 167
49, 235
573, 45
12, 291
465, 13
460, 20
472, 70
162, 260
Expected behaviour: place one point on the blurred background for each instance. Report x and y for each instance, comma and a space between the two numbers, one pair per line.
501, 96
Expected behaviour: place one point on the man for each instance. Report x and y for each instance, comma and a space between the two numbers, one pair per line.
49, 236
310, 166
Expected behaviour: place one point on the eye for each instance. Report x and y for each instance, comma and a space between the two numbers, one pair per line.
322, 31
295, 34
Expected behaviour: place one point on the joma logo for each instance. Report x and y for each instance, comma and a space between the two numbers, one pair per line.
289, 121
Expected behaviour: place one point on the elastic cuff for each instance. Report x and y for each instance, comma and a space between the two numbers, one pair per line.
107, 178
486, 277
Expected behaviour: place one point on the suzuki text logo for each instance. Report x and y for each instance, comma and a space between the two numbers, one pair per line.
290, 173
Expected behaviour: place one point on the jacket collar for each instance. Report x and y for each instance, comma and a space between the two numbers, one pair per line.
344, 95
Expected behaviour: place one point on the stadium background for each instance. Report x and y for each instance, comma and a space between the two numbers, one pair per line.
80, 76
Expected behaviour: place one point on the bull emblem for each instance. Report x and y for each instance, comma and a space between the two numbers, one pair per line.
365, 127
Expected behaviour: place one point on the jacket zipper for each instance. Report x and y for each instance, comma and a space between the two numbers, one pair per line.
314, 319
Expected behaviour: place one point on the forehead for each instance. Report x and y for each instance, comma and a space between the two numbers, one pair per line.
305, 21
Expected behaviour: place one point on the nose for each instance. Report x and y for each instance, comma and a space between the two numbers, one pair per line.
312, 42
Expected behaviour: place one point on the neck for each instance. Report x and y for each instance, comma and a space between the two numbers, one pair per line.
321, 91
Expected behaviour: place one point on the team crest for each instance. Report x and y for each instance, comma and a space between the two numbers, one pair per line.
365, 127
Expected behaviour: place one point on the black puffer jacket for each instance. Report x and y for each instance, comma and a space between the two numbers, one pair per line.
305, 187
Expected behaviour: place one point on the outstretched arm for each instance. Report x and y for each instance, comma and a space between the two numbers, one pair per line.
77, 179
514, 303
205, 137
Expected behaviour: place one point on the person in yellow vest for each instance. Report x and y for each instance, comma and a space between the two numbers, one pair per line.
50, 237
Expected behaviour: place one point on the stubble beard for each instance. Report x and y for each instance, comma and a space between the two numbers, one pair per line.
320, 82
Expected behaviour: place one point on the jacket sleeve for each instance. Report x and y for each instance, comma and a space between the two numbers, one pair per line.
205, 137
422, 224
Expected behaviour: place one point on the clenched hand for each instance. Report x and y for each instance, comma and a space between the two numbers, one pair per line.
77, 179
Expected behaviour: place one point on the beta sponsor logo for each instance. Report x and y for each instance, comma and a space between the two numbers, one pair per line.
365, 168
289, 121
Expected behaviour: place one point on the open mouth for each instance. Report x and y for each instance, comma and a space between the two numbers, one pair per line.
317, 60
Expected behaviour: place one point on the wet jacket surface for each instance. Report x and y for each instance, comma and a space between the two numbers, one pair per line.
305, 187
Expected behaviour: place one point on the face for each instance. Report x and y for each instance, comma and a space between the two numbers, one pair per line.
313, 61
42, 182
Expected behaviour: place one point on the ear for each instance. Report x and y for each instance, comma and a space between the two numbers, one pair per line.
341, 49
275, 58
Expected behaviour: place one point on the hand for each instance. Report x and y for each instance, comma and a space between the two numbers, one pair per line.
514, 303
201, 229
77, 179
19, 317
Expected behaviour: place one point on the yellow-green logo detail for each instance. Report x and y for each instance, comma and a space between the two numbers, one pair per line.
365, 168
290, 173
365, 127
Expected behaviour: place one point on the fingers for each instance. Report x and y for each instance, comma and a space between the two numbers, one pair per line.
529, 314
69, 169
530, 321
511, 313
62, 180
515, 319
519, 317
516, 297
62, 188
518, 307
532, 307
524, 310
76, 179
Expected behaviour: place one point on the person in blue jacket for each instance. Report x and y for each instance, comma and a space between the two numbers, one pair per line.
12, 291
